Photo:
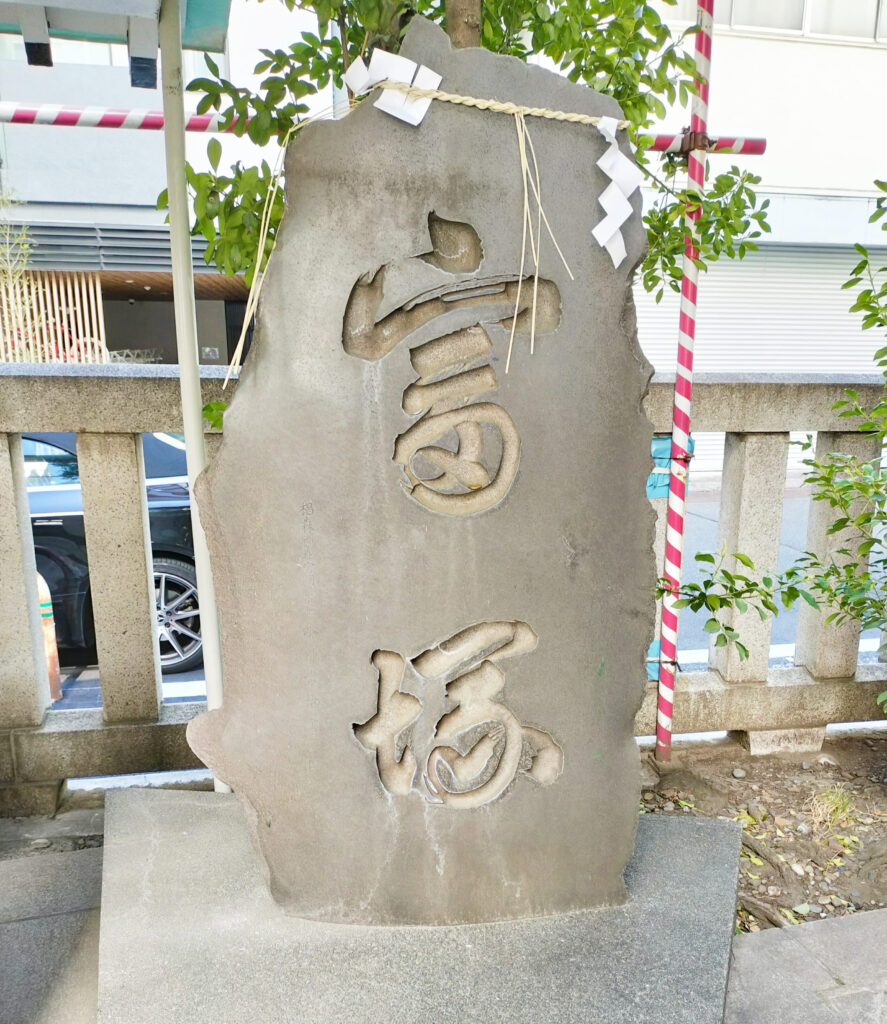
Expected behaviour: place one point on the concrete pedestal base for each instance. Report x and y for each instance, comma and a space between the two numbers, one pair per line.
782, 741
189, 933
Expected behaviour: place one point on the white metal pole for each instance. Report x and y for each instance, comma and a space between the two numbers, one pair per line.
340, 96
186, 334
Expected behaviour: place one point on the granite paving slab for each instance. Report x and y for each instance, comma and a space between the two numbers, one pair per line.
190, 933
49, 925
821, 972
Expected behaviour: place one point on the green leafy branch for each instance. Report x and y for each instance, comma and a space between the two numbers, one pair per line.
851, 583
722, 589
619, 47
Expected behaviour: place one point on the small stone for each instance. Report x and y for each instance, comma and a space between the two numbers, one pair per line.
798, 870
823, 901
668, 807
803, 828
827, 760
739, 773
648, 796
805, 766
757, 811
686, 810
774, 890
867, 821
41, 844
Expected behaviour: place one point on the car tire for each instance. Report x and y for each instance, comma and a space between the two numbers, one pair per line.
178, 615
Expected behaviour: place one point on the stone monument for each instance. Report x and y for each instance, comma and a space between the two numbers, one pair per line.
435, 578
435, 582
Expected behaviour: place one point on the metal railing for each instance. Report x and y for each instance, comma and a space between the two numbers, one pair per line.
110, 406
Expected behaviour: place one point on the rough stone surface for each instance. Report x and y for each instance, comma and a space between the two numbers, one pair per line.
832, 651
24, 799
115, 507
752, 491
528, 561
7, 765
821, 972
792, 699
49, 936
78, 743
52, 883
783, 741
137, 399
48, 969
24, 684
190, 935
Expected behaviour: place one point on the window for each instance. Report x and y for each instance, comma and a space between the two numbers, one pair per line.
850, 20
856, 19
780, 15
48, 466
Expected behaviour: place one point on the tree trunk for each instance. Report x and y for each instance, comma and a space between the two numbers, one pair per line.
464, 22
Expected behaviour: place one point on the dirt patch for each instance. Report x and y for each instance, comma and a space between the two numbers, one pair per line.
814, 825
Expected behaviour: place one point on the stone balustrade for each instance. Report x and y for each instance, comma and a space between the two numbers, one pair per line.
110, 405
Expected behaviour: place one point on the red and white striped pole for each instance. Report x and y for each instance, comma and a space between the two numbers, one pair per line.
723, 144
683, 392
152, 120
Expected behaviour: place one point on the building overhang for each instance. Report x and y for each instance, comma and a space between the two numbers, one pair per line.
133, 22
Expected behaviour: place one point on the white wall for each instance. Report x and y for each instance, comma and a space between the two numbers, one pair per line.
819, 104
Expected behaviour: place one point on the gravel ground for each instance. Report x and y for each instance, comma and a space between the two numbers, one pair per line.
814, 825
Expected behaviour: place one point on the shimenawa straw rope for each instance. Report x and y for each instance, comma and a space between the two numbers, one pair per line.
531, 183
497, 106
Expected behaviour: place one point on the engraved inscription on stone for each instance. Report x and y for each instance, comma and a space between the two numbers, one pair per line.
441, 729
461, 456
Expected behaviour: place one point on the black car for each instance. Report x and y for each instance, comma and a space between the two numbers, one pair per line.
57, 524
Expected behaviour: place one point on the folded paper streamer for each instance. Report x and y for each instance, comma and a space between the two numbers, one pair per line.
392, 67
625, 177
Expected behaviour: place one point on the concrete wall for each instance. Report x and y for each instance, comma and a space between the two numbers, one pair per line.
151, 324
119, 400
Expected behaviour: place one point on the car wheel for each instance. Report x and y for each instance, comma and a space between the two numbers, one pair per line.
178, 615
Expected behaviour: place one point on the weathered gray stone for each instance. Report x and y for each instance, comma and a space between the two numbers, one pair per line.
24, 683
24, 799
792, 699
49, 938
360, 600
7, 765
831, 651
50, 883
48, 967
75, 743
190, 935
821, 972
782, 741
752, 493
115, 521
134, 398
